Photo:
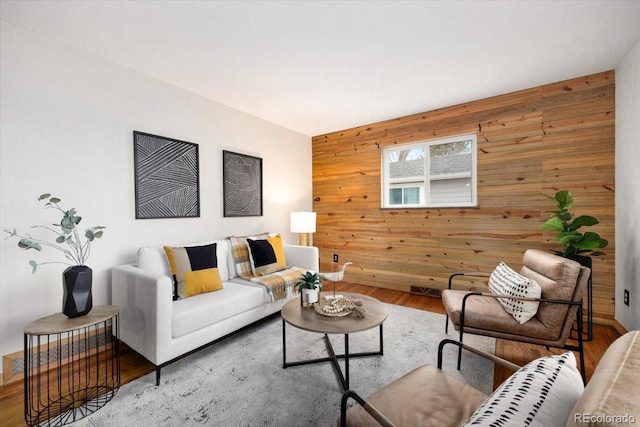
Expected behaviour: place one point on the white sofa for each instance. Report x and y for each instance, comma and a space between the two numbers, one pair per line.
162, 330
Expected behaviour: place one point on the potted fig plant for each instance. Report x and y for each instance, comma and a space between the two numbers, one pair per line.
574, 244
309, 288
77, 278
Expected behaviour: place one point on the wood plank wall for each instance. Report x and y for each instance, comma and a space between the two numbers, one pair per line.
530, 143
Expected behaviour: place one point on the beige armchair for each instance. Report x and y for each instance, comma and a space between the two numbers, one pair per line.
562, 282
426, 396
547, 391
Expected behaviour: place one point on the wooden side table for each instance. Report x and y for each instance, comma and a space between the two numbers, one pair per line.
72, 366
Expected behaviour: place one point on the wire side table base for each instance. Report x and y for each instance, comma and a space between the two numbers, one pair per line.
72, 366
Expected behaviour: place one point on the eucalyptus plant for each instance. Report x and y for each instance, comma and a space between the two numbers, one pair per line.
563, 222
67, 240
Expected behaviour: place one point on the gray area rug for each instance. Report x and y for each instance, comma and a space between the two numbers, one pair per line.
240, 380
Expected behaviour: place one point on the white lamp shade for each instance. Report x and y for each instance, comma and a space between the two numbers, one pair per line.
303, 222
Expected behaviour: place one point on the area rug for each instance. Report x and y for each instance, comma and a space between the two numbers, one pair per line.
240, 380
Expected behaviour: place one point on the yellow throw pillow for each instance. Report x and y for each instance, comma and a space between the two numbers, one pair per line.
266, 255
202, 281
194, 269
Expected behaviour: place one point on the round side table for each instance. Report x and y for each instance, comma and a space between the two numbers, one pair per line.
72, 366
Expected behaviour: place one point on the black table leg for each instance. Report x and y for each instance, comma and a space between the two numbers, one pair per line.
343, 378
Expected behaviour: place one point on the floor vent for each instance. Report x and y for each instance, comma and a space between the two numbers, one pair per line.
13, 364
428, 292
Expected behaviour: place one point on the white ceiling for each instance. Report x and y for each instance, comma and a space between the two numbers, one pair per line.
323, 66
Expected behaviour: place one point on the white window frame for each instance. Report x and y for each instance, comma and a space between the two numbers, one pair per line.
425, 182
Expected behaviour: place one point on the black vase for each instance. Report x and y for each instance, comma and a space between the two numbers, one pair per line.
77, 300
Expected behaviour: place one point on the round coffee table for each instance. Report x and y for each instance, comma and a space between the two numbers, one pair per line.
306, 318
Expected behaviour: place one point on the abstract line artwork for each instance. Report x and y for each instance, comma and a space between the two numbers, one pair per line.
242, 184
167, 179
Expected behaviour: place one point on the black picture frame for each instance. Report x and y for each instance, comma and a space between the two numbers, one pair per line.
167, 177
242, 184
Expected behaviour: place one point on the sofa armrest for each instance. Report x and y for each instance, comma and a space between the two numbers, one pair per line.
145, 300
611, 397
302, 256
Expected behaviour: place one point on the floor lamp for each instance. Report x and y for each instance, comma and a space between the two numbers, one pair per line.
303, 223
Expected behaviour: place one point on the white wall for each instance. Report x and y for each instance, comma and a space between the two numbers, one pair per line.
67, 119
627, 195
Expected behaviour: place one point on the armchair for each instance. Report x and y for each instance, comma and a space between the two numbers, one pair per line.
562, 283
425, 396
547, 391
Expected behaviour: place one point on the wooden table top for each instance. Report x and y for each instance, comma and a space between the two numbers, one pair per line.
308, 319
59, 323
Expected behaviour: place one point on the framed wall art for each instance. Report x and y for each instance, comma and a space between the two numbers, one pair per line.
166, 177
242, 184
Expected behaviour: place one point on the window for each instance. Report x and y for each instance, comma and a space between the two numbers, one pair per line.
435, 173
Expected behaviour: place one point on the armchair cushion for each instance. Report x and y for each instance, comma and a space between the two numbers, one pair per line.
558, 277
424, 396
485, 315
541, 393
505, 281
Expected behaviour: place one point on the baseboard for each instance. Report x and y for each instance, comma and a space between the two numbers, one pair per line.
619, 328
13, 364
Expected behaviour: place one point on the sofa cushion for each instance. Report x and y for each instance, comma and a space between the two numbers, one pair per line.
505, 281
194, 269
240, 254
191, 314
154, 258
541, 393
266, 255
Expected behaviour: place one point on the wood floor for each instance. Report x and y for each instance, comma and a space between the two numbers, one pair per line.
134, 366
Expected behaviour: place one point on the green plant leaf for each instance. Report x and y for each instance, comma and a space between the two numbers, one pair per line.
553, 224
583, 221
67, 225
568, 237
563, 199
34, 266
55, 200
60, 239
44, 196
89, 235
97, 234
29, 244
590, 241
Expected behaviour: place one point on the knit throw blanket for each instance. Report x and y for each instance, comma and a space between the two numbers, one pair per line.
281, 284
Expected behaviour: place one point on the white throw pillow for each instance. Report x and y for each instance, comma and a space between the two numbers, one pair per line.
505, 281
541, 393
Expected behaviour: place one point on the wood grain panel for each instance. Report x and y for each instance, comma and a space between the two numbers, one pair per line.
530, 143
